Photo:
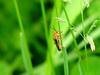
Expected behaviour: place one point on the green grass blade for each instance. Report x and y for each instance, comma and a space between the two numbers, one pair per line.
44, 19
25, 55
74, 39
49, 61
84, 34
23, 43
66, 67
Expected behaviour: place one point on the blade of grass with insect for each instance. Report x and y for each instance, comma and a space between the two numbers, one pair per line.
23, 43
70, 9
49, 59
66, 66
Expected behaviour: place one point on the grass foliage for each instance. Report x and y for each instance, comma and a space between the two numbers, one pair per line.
27, 45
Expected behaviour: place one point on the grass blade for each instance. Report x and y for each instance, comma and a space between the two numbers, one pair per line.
23, 43
66, 67
25, 55
74, 39
49, 61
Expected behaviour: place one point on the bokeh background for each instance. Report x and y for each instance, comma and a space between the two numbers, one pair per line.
11, 58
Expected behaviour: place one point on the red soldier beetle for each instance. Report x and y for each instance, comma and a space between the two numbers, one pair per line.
57, 40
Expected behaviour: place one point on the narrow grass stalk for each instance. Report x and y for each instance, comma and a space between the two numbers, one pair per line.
25, 55
84, 35
23, 43
75, 42
79, 67
18, 16
44, 19
50, 65
66, 66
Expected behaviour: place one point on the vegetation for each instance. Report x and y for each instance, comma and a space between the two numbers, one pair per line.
49, 37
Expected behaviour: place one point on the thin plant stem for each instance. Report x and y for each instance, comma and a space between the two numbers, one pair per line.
66, 65
26, 55
75, 42
18, 16
44, 19
49, 57
23, 43
84, 35
79, 66
65, 55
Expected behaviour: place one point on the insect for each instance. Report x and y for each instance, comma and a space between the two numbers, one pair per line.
57, 40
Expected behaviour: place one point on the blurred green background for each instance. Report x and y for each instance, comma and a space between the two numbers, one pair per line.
11, 57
